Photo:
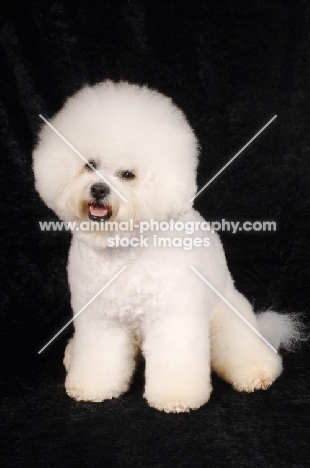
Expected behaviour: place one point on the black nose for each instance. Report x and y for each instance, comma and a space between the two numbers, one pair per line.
99, 190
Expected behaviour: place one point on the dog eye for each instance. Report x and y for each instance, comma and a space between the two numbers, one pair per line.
92, 164
128, 175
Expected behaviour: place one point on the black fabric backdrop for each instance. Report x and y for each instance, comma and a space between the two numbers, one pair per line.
230, 67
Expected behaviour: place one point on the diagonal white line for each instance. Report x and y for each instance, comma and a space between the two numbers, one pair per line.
83, 308
233, 158
84, 159
232, 308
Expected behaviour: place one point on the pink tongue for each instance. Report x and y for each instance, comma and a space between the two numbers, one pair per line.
98, 210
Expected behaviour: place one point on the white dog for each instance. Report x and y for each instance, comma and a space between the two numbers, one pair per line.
146, 152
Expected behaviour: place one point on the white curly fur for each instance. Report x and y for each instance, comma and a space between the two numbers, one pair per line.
157, 304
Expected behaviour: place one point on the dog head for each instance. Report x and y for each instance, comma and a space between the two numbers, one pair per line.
137, 156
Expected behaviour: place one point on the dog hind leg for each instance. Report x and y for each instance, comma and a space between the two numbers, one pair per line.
238, 355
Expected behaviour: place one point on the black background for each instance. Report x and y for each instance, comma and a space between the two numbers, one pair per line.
231, 67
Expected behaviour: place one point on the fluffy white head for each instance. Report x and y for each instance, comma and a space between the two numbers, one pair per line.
136, 138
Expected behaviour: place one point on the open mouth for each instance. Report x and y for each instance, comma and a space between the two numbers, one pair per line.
99, 212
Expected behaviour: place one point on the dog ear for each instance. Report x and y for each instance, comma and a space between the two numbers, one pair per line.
55, 165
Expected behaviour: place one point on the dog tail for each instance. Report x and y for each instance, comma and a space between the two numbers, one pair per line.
281, 330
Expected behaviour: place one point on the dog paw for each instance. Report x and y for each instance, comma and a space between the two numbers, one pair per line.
97, 396
257, 376
171, 403
92, 391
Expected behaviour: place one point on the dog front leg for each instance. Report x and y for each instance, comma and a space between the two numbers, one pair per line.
101, 361
177, 356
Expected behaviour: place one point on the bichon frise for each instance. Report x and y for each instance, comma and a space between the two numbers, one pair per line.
141, 169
